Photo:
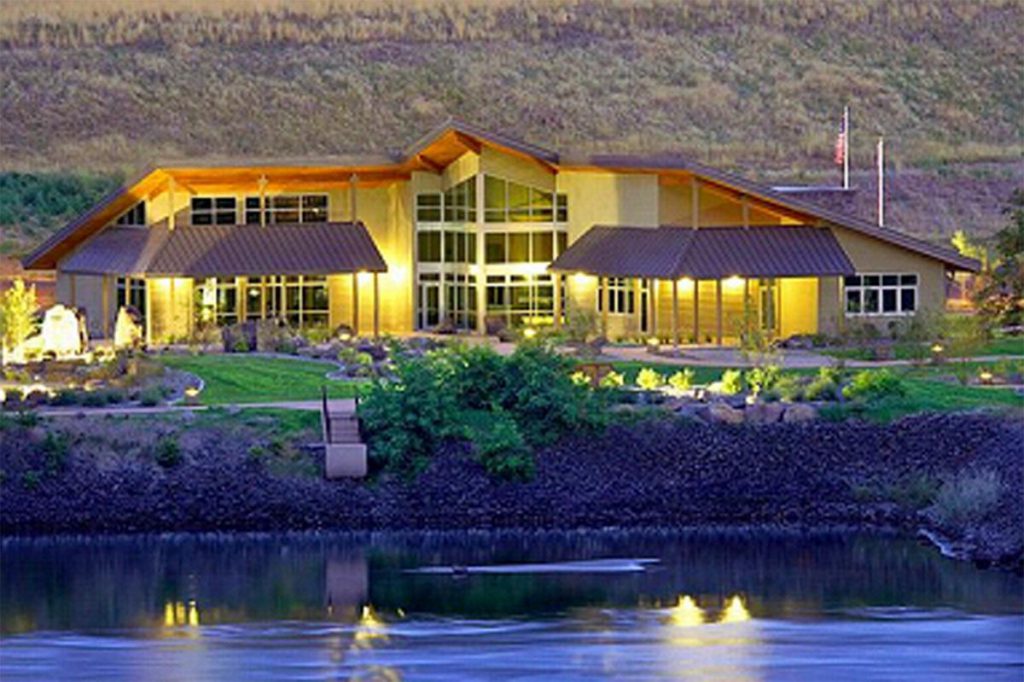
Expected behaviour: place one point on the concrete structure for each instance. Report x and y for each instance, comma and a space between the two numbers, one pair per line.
463, 227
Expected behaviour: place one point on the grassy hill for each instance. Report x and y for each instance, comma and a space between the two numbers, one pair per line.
100, 86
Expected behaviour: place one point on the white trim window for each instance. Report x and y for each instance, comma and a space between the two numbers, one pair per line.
868, 294
214, 211
287, 209
621, 298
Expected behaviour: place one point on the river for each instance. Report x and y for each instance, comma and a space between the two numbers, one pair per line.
725, 605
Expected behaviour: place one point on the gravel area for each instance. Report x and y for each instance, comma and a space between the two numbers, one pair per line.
662, 474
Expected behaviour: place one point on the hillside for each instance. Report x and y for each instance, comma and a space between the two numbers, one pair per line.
103, 87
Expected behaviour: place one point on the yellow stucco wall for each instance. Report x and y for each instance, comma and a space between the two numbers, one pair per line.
609, 199
798, 306
170, 308
675, 207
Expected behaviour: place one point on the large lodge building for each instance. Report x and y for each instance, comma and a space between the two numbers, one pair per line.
467, 228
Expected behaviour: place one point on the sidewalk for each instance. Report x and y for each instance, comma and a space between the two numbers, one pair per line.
336, 406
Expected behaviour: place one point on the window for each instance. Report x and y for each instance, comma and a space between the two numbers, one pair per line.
287, 208
494, 248
460, 202
218, 300
621, 299
460, 300
509, 202
428, 208
136, 215
561, 208
214, 211
429, 244
131, 293
521, 299
301, 301
880, 294
521, 247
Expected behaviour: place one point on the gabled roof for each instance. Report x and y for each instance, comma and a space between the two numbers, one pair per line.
230, 250
440, 147
671, 252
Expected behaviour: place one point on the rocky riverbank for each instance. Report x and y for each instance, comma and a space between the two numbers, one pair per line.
960, 477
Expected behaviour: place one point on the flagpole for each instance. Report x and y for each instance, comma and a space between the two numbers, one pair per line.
846, 148
881, 182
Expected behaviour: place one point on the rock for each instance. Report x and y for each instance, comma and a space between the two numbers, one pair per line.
720, 413
799, 412
764, 413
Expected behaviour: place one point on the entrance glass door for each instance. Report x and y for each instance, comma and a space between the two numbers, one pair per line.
767, 309
429, 300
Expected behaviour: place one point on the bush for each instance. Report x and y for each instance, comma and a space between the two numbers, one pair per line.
65, 397
789, 387
502, 449
151, 397
167, 452
407, 418
763, 378
968, 497
682, 380
94, 399
612, 380
871, 384
55, 451
649, 380
732, 382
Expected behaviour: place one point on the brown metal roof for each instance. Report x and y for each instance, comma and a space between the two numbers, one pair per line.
117, 251
293, 249
670, 252
230, 250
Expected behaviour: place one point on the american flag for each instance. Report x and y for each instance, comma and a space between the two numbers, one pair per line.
840, 154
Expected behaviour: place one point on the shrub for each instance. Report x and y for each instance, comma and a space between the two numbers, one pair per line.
502, 449
763, 378
732, 382
167, 452
17, 318
873, 385
649, 380
55, 451
151, 397
789, 387
968, 497
65, 397
94, 399
612, 380
357, 363
682, 380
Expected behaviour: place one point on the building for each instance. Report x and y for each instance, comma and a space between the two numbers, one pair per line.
474, 230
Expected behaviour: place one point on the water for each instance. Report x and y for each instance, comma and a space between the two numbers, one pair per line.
716, 606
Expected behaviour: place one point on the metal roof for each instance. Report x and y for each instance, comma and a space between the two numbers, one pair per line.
230, 250
670, 252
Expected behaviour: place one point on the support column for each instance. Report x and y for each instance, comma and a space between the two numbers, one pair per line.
170, 204
481, 274
355, 304
73, 289
695, 203
262, 183
148, 296
557, 281
376, 305
105, 305
745, 205
652, 301
352, 181
638, 315
602, 283
718, 310
675, 313
696, 311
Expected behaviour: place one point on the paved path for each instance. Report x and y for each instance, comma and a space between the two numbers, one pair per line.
337, 406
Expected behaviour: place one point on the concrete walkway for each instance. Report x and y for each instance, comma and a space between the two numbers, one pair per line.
335, 406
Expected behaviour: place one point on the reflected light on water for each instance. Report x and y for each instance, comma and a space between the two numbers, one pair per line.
735, 611
370, 628
686, 613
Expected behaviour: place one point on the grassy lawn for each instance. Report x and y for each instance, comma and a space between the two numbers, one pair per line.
231, 378
1006, 345
925, 394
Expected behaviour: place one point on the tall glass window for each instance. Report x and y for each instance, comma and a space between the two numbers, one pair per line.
880, 294
131, 293
287, 208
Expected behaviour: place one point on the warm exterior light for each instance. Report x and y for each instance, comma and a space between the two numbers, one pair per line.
985, 376
580, 279
529, 333
734, 283
938, 348
686, 613
735, 611
653, 341
370, 628
344, 337
191, 392
686, 284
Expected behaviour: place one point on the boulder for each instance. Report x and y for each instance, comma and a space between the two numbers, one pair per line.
764, 413
720, 413
799, 412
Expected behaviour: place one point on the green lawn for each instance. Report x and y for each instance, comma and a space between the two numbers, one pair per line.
232, 378
1006, 345
929, 395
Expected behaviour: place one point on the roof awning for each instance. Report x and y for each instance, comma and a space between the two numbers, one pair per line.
709, 253
230, 250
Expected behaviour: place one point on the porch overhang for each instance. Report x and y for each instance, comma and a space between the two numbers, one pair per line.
672, 253
229, 250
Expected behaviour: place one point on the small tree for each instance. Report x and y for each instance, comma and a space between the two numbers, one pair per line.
964, 336
17, 322
1001, 297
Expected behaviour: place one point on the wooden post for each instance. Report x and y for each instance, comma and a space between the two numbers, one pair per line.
718, 310
376, 305
170, 204
745, 204
602, 283
637, 312
353, 179
557, 281
355, 304
696, 311
263, 200
652, 299
675, 313
149, 308
105, 304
